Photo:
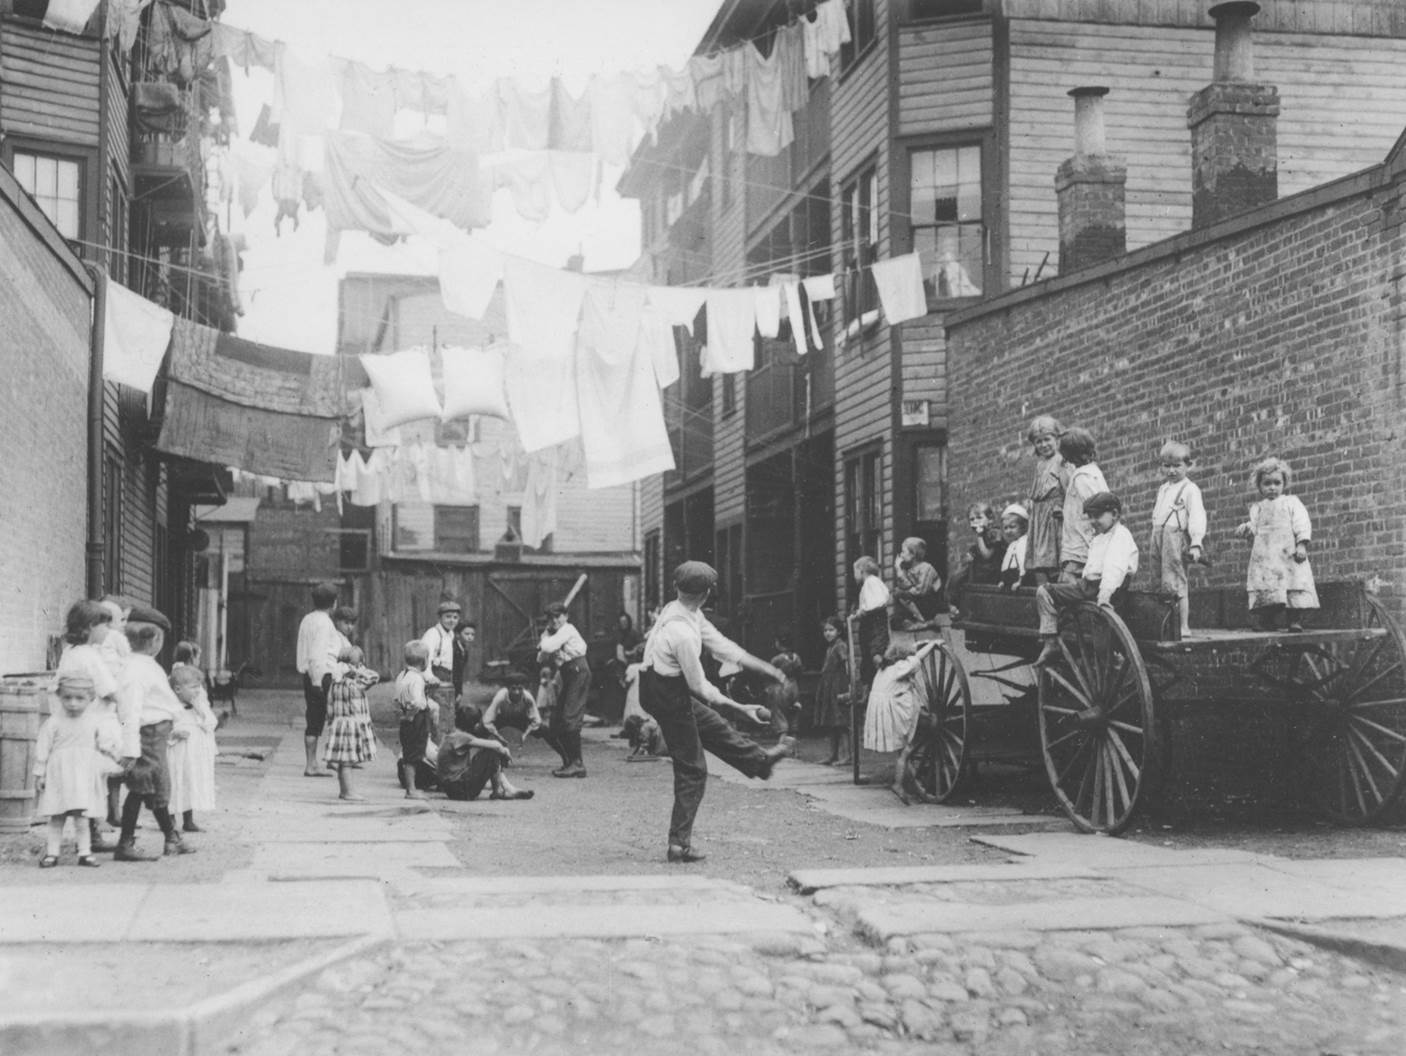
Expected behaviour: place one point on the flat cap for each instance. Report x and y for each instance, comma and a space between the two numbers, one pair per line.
1103, 502
556, 608
147, 614
449, 606
695, 577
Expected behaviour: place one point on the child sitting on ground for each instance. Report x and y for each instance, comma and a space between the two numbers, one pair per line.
1084, 481
1178, 527
1112, 560
1014, 523
350, 740
191, 753
1280, 580
413, 704
512, 707
467, 762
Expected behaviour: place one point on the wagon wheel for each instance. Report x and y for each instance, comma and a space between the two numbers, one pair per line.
939, 758
1349, 733
1097, 730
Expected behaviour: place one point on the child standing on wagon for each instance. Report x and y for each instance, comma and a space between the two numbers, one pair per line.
1084, 481
1046, 504
1178, 527
1280, 580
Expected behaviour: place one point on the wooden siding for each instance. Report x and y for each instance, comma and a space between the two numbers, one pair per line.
1343, 105
1384, 18
945, 79
729, 266
48, 84
925, 366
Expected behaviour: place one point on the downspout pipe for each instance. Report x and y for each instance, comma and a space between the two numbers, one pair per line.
96, 397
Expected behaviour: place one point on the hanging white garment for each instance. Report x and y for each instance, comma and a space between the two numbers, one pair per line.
769, 126
732, 322
575, 178
306, 101
473, 382
818, 288
528, 179
472, 121
899, 282
373, 421
679, 305
623, 434
70, 16
543, 308
539, 498
370, 483
613, 117
525, 114
136, 333
768, 311
658, 337
452, 481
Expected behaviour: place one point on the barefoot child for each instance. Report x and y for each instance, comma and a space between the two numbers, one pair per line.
892, 713
349, 737
191, 753
1280, 580
69, 759
1046, 500
414, 707
1112, 560
832, 696
1178, 527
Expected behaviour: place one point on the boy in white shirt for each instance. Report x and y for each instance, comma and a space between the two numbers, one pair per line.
1111, 562
1178, 527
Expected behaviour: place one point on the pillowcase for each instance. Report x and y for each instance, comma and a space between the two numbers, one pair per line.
404, 386
473, 382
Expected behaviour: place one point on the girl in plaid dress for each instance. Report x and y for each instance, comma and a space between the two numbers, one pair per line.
349, 737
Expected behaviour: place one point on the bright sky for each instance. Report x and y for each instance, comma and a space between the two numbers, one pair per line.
290, 296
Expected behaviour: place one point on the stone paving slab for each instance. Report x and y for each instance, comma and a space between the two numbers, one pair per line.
54, 913
1109, 852
355, 829
318, 860
808, 881
254, 911
1257, 890
472, 886
1077, 914
1386, 873
563, 921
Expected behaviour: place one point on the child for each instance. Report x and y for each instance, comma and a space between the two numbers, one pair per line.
466, 762
892, 714
69, 768
873, 617
1280, 577
512, 707
115, 650
1084, 481
548, 685
1112, 560
916, 584
414, 707
1046, 500
1015, 523
783, 699
349, 738
149, 778
191, 752
832, 696
1178, 527
87, 654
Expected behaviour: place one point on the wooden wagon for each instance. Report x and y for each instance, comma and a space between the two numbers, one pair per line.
1102, 708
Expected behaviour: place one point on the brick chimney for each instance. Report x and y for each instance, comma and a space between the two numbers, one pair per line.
1233, 122
1090, 189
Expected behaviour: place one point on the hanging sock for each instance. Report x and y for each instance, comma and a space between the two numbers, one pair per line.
899, 282
732, 322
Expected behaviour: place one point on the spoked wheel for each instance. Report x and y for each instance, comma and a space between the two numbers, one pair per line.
939, 758
1097, 729
1349, 733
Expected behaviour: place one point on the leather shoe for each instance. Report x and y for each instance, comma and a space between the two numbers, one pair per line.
572, 770
178, 846
770, 758
127, 852
684, 855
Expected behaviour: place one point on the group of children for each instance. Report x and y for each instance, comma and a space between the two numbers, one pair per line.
117, 720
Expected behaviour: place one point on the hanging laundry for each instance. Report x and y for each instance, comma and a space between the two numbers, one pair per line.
789, 52
525, 114
768, 311
428, 93
817, 288
539, 498
136, 334
527, 179
124, 20
679, 305
543, 308
452, 479
623, 434
404, 385
348, 464
732, 323
473, 382
899, 282
305, 491
613, 117
680, 94
69, 16
439, 180
209, 428
375, 431
737, 66
569, 121
473, 122
708, 87
371, 479
769, 126
250, 175
824, 36
796, 312
305, 101
241, 47
178, 43
286, 183
469, 274
368, 99
651, 95
255, 375
575, 178
657, 333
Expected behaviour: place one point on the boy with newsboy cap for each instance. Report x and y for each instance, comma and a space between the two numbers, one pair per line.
1111, 563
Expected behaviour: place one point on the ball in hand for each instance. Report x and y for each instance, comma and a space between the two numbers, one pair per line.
764, 716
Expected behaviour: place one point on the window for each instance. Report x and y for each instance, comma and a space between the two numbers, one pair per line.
456, 529
948, 233
860, 246
920, 9
929, 482
54, 184
653, 555
353, 549
861, 31
863, 530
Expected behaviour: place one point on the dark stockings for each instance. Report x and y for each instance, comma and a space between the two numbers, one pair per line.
133, 806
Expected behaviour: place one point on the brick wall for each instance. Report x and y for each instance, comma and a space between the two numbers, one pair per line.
1283, 338
44, 320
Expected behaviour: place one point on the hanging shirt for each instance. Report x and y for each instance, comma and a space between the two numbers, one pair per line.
569, 121
368, 99
769, 126
707, 74
525, 114
732, 322
613, 117
768, 311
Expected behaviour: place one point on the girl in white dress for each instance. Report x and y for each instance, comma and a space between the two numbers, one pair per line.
1280, 581
191, 755
891, 716
72, 753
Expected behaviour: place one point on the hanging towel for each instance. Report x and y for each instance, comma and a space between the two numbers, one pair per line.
543, 308
70, 16
707, 74
613, 117
473, 382
623, 435
899, 282
657, 333
732, 322
368, 99
768, 311
136, 334
769, 126
679, 305
539, 498
525, 114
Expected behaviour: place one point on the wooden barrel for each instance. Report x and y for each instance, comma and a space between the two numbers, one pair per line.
19, 730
